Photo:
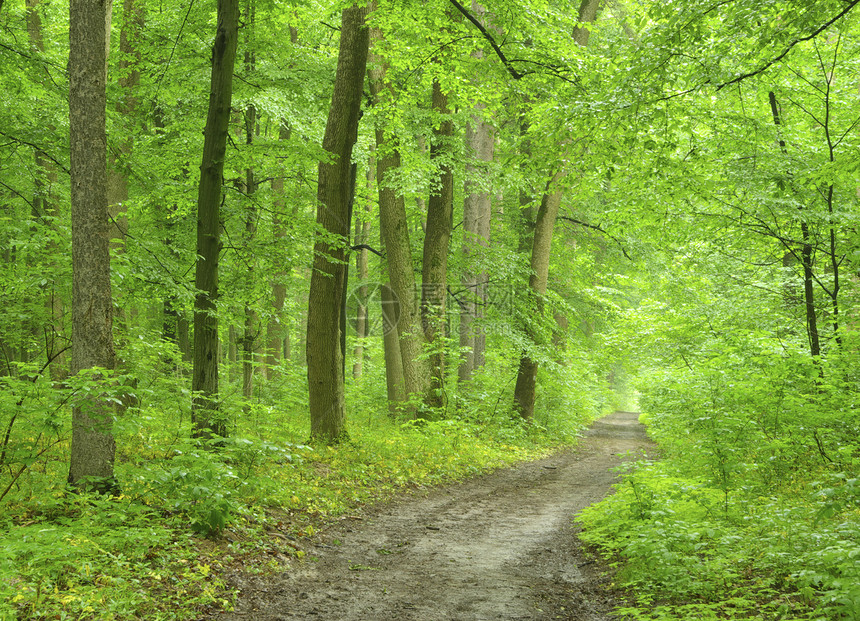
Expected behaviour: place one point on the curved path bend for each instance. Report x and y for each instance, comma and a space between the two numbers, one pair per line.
500, 546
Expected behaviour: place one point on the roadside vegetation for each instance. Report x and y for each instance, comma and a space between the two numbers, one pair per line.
186, 515
753, 509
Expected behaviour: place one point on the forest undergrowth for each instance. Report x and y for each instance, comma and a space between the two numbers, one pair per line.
753, 511
186, 514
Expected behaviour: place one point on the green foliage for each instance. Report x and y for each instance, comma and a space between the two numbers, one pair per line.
188, 512
753, 512
758, 557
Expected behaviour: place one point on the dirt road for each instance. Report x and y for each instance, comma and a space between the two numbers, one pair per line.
501, 546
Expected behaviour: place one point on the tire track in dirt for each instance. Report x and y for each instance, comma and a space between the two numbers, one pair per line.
500, 546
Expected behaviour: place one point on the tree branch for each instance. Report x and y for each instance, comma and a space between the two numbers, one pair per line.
366, 247
773, 61
516, 75
597, 228
37, 147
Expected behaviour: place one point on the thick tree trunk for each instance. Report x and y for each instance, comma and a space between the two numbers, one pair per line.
394, 227
206, 418
324, 351
434, 272
93, 446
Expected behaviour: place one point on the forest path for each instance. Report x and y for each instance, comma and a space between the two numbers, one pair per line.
500, 546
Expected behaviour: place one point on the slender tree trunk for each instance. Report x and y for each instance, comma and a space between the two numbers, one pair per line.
362, 233
394, 227
477, 211
174, 320
809, 292
45, 206
835, 261
394, 381
525, 389
276, 330
206, 418
806, 256
325, 355
129, 78
252, 329
251, 332
118, 169
93, 446
440, 212
834, 264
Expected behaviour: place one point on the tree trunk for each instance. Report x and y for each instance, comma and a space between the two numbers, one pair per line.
132, 25
206, 418
394, 227
394, 380
806, 256
276, 331
325, 356
809, 292
477, 211
524, 391
251, 332
45, 206
434, 272
362, 233
93, 446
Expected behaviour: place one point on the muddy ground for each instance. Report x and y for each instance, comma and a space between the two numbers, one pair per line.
501, 546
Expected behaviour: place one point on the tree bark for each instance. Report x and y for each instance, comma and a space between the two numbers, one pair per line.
434, 272
251, 331
394, 227
477, 211
362, 233
395, 384
252, 328
93, 446
325, 355
206, 418
806, 256
525, 389
276, 330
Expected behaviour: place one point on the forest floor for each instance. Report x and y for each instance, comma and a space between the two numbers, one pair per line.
500, 546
